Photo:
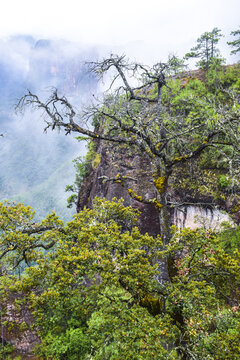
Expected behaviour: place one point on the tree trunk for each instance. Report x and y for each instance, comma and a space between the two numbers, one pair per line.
161, 184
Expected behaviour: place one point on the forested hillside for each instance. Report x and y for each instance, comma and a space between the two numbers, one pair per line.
106, 285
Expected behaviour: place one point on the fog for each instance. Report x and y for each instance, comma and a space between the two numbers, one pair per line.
144, 31
35, 166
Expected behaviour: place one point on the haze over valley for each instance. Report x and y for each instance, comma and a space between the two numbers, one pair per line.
36, 166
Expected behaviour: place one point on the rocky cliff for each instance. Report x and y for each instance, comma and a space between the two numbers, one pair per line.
119, 160
194, 208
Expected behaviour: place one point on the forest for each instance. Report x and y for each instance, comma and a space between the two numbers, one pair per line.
99, 287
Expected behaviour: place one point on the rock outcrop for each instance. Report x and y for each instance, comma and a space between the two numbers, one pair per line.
195, 216
17, 329
120, 160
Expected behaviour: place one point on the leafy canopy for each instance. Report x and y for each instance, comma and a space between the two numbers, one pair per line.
94, 294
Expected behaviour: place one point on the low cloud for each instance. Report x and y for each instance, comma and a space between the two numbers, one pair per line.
29, 158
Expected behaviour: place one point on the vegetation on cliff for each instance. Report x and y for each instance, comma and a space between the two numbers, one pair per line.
95, 294
173, 122
97, 287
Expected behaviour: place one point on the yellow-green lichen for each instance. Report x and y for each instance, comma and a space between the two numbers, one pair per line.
96, 161
157, 204
235, 209
135, 196
149, 152
160, 183
158, 145
119, 179
180, 158
119, 182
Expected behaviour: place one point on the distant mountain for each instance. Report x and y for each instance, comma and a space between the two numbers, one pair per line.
28, 158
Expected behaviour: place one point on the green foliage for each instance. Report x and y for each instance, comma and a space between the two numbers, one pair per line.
5, 352
229, 238
95, 254
72, 345
83, 166
235, 43
206, 48
94, 295
215, 172
120, 331
176, 65
21, 237
92, 284
224, 181
206, 283
72, 198
115, 211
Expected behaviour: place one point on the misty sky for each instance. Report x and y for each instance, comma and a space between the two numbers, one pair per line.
146, 30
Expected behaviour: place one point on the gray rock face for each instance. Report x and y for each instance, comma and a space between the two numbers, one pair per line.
196, 216
23, 340
119, 160
136, 167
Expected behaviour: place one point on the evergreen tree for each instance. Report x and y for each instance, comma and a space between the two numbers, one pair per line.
206, 48
235, 43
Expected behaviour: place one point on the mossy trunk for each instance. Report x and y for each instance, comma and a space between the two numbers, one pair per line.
161, 184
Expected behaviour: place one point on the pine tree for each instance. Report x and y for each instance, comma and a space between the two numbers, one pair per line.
235, 43
206, 48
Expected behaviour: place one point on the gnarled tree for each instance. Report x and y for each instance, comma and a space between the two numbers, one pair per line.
133, 112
